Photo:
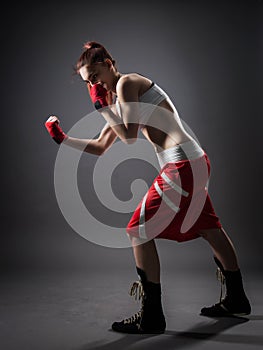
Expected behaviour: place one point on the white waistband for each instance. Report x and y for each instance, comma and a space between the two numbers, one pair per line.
187, 150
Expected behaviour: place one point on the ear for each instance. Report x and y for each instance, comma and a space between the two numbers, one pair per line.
108, 62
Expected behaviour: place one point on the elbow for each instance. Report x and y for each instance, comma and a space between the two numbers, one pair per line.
131, 133
130, 140
101, 150
98, 151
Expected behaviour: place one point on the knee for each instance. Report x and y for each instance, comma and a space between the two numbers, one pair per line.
134, 236
138, 242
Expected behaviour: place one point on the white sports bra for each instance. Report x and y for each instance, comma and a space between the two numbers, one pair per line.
152, 97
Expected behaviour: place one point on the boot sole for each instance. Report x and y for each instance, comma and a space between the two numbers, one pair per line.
138, 332
226, 314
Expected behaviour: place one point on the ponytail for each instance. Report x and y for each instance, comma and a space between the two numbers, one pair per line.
93, 53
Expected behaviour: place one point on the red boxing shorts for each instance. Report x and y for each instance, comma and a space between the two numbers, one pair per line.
177, 205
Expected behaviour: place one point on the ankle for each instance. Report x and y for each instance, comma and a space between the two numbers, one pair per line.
144, 277
152, 290
226, 266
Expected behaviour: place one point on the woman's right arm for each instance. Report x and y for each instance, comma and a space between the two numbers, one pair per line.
94, 146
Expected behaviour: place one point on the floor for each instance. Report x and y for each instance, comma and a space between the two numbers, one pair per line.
69, 310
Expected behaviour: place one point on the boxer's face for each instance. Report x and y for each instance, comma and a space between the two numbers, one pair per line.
102, 73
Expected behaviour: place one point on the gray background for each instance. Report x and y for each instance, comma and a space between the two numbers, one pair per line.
207, 55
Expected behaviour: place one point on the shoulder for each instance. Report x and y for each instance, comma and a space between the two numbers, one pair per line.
130, 80
129, 87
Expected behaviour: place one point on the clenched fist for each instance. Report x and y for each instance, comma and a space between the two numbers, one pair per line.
55, 131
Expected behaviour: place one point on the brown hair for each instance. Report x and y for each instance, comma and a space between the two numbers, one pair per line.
93, 53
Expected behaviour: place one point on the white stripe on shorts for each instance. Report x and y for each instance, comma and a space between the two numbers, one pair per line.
142, 233
165, 198
174, 185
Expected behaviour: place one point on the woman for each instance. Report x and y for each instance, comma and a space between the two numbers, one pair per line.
179, 155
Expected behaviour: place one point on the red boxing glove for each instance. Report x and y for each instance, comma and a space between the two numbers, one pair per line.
55, 131
98, 96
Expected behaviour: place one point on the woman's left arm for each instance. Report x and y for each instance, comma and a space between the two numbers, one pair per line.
126, 127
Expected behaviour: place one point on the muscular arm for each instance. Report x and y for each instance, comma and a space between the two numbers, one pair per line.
127, 127
94, 146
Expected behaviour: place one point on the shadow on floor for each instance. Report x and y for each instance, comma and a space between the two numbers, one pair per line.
179, 340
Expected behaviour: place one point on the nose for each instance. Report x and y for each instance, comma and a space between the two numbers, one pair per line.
94, 83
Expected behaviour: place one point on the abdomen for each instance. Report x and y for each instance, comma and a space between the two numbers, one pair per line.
164, 128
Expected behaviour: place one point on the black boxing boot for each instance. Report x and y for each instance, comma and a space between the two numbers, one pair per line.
235, 302
150, 319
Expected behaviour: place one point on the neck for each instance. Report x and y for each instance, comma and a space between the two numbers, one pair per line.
115, 81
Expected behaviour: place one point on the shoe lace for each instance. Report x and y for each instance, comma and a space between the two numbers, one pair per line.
222, 280
138, 292
135, 318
